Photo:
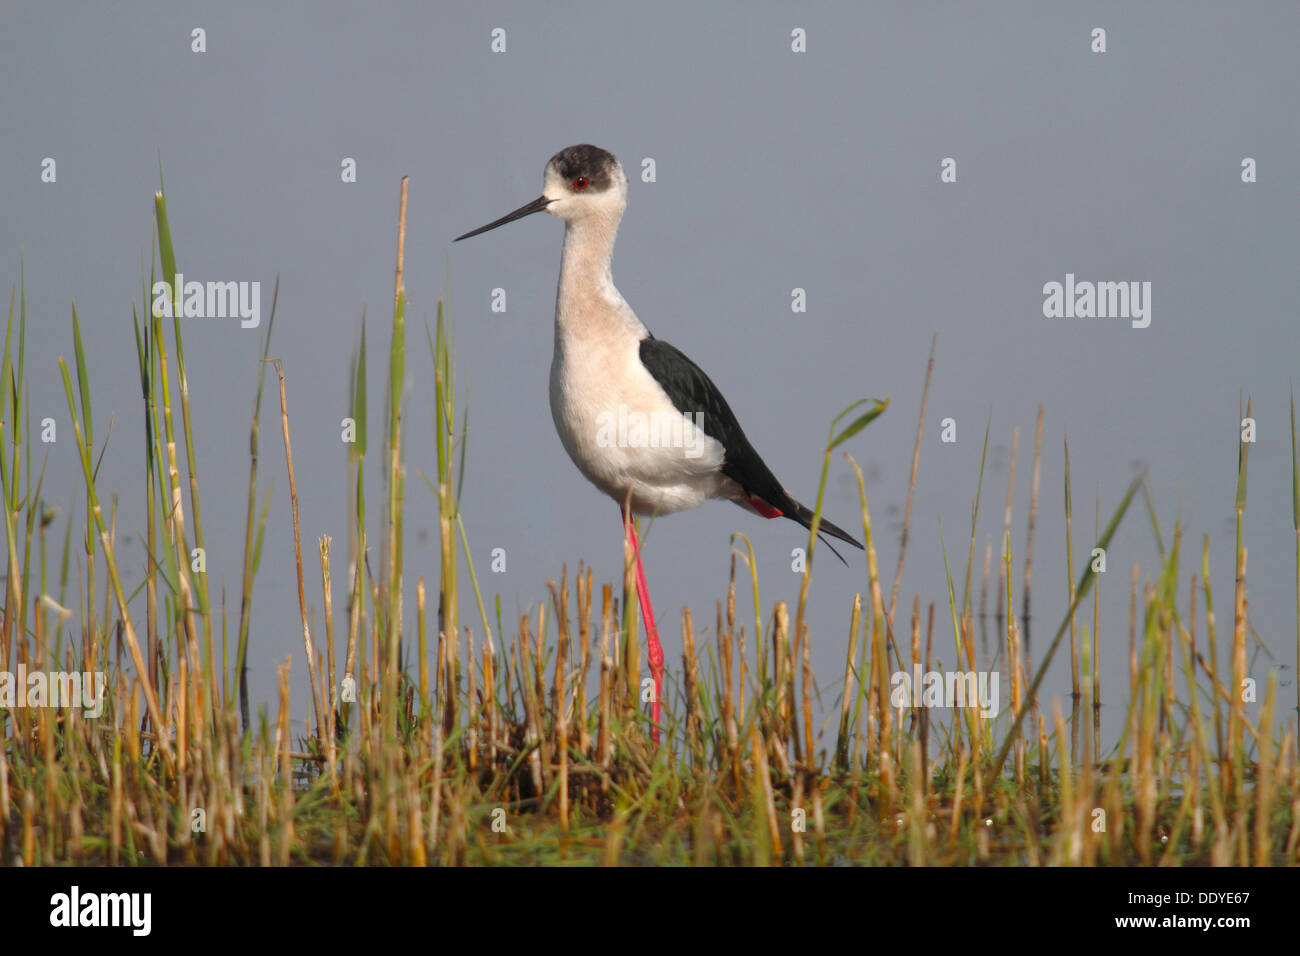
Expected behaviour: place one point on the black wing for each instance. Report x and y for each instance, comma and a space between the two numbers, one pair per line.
692, 391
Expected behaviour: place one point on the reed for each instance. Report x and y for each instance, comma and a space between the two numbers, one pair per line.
528, 743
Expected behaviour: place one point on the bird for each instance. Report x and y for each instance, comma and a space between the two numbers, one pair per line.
639, 419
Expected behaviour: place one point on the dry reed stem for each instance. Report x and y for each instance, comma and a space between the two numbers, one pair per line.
846, 696
1004, 570
297, 552
604, 740
765, 787
331, 721
911, 482
1033, 520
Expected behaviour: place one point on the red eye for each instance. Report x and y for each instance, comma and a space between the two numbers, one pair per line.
580, 182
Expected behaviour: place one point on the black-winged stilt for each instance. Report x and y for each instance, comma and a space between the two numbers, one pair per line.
639, 419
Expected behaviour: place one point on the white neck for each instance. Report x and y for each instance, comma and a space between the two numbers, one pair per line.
587, 303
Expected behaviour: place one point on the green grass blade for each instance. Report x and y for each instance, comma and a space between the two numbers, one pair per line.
1085, 582
878, 407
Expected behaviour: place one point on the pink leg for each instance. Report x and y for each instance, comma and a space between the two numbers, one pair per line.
656, 651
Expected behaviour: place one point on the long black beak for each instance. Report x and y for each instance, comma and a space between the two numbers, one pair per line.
537, 205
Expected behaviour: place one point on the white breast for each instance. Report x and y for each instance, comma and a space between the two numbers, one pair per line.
619, 426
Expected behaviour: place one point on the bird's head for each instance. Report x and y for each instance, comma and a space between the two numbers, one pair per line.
581, 182
584, 181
